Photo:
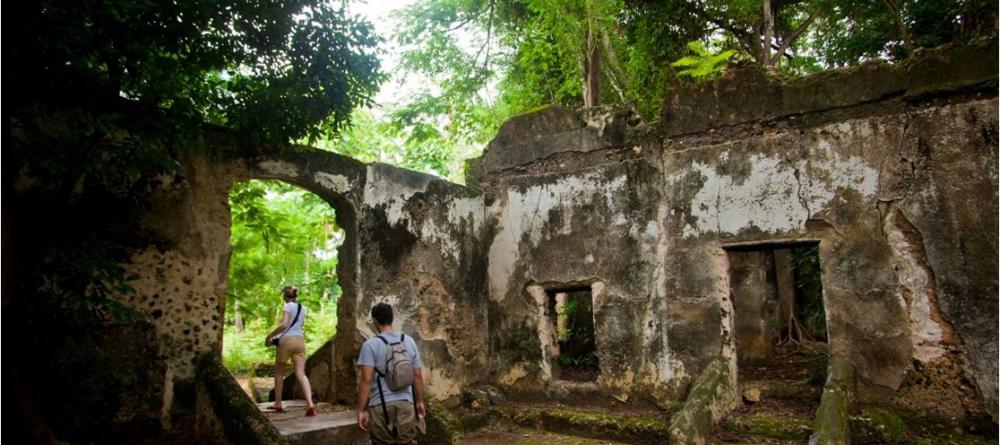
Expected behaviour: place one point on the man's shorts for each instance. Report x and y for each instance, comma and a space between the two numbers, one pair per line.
291, 347
402, 414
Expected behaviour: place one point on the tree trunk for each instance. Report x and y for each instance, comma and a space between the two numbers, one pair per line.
592, 75
787, 308
904, 31
768, 31
237, 318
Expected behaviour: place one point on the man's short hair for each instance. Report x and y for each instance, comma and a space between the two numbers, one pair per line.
382, 313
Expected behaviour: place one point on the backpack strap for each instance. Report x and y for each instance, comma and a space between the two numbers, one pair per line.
378, 383
380, 337
385, 411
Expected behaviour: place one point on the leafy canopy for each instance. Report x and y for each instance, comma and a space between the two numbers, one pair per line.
486, 60
273, 70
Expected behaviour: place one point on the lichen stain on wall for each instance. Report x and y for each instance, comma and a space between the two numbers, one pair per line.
523, 213
336, 183
778, 194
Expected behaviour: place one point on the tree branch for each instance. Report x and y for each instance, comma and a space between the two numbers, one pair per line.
768, 32
486, 46
742, 36
787, 41
903, 30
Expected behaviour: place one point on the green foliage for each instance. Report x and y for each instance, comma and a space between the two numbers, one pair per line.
371, 139
275, 71
243, 351
703, 64
585, 360
107, 91
527, 53
576, 339
280, 235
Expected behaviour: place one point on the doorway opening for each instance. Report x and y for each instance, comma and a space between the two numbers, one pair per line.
779, 324
281, 235
572, 314
777, 296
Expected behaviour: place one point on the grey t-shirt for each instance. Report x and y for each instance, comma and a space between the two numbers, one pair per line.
374, 354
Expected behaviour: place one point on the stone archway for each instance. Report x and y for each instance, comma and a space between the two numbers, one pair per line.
339, 181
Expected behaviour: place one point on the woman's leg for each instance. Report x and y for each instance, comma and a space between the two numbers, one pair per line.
299, 361
279, 376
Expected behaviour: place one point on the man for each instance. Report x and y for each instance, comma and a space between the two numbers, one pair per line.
400, 405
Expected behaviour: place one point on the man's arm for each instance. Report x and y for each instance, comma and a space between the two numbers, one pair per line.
364, 386
418, 390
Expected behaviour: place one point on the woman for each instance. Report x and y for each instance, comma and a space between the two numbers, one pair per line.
291, 343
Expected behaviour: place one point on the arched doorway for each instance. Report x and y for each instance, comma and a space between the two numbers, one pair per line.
284, 234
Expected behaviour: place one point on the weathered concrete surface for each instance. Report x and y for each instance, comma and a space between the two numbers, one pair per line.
644, 222
751, 95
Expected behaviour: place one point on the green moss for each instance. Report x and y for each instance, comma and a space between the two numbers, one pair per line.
831, 423
241, 420
790, 390
533, 110
588, 424
473, 421
694, 422
877, 426
442, 427
784, 428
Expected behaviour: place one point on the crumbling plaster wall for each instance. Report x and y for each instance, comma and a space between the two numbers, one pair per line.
891, 168
412, 240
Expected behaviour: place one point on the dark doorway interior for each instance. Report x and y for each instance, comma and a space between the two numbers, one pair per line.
777, 297
779, 324
573, 315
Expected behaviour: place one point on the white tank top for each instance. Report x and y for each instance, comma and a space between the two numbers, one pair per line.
296, 330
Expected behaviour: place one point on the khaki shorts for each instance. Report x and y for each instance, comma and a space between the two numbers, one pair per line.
291, 347
401, 413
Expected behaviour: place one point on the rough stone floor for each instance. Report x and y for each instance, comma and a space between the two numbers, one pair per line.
332, 424
787, 401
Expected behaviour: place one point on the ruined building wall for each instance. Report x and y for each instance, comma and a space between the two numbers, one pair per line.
892, 169
411, 240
